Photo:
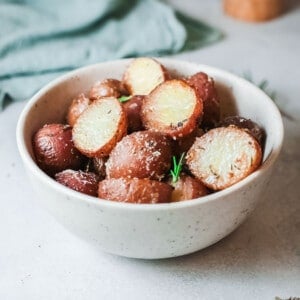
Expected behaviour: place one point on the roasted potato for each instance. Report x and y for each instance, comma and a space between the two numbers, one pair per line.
83, 182
78, 105
187, 188
143, 75
142, 154
205, 88
132, 109
107, 88
54, 149
134, 190
223, 156
100, 127
173, 108
252, 127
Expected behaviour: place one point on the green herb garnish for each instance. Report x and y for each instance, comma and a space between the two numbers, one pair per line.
124, 98
263, 85
177, 167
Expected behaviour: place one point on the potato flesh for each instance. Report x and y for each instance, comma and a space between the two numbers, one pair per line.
223, 156
173, 105
137, 81
98, 124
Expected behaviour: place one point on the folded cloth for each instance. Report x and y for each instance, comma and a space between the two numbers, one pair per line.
41, 39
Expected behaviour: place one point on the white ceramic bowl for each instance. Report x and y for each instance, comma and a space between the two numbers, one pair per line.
150, 230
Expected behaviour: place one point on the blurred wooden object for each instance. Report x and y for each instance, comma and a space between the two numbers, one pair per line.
253, 10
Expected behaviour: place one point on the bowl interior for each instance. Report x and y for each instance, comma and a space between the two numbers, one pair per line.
238, 96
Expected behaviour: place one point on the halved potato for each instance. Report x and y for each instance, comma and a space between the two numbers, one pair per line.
134, 190
143, 75
100, 127
173, 108
224, 156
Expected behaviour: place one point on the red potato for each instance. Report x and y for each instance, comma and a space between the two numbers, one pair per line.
249, 125
173, 108
143, 75
107, 88
100, 127
205, 88
133, 108
223, 156
54, 149
77, 107
83, 182
134, 190
142, 154
187, 188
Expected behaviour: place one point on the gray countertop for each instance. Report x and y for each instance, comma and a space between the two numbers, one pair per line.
39, 259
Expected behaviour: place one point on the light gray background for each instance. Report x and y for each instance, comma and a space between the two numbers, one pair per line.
39, 259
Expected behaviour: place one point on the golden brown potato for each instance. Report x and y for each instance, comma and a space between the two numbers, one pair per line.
173, 108
252, 127
78, 105
100, 127
187, 188
134, 190
132, 108
54, 149
83, 182
205, 88
142, 154
143, 75
107, 88
224, 156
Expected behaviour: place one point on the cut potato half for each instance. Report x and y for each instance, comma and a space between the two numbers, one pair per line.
143, 75
100, 127
224, 156
173, 108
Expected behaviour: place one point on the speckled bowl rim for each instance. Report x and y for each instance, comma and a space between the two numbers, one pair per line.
268, 162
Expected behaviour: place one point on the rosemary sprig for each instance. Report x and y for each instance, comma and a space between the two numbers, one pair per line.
263, 85
124, 98
177, 167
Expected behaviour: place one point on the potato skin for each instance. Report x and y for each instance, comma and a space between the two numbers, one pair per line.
134, 190
77, 107
187, 188
54, 149
105, 149
83, 182
250, 126
132, 109
205, 89
142, 154
107, 88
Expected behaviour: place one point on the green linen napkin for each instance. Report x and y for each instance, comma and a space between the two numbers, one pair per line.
41, 39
